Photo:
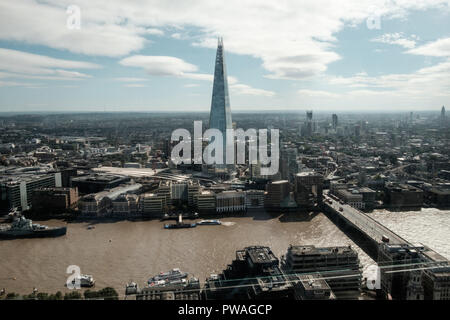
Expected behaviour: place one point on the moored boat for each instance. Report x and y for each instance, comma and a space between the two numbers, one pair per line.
179, 225
25, 228
209, 222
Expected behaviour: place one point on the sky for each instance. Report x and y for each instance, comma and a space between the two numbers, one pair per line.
136, 55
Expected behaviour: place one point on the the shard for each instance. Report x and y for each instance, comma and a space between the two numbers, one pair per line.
220, 115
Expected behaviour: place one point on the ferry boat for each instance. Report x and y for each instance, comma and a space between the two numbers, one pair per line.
25, 228
172, 275
209, 222
176, 216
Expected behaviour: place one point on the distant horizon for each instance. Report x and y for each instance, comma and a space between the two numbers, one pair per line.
285, 111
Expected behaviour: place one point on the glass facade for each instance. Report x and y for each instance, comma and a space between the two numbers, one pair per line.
220, 115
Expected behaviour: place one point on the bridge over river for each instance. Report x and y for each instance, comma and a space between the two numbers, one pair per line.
361, 221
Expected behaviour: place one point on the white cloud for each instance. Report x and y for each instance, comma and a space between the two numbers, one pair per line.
16, 84
422, 88
172, 66
126, 79
243, 89
160, 65
294, 39
154, 31
19, 64
135, 85
397, 38
438, 48
317, 93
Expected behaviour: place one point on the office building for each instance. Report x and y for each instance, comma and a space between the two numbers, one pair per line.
205, 201
339, 266
277, 193
407, 272
254, 199
153, 204
16, 190
403, 197
308, 190
54, 200
230, 201
335, 121
97, 182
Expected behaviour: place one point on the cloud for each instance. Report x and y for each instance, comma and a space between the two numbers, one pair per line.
424, 80
318, 93
17, 84
154, 31
160, 65
19, 64
135, 85
397, 38
102, 32
294, 39
175, 67
243, 89
438, 48
422, 88
126, 79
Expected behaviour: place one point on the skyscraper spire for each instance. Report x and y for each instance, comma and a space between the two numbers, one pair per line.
220, 115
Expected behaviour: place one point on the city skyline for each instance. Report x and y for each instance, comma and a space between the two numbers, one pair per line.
351, 56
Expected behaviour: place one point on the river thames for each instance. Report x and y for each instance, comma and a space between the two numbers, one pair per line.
121, 251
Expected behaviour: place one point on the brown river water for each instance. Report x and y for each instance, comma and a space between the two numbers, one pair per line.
121, 251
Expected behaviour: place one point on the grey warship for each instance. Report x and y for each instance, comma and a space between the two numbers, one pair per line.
25, 228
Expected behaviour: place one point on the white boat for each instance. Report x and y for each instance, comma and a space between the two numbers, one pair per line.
173, 274
85, 280
209, 222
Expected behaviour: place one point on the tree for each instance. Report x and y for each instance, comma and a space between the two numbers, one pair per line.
12, 296
88, 294
58, 295
75, 295
108, 293
42, 296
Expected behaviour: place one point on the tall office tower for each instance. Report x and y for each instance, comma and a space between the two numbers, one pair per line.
308, 189
220, 115
443, 113
309, 123
357, 130
335, 121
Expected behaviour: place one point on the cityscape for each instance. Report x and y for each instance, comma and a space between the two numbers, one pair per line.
304, 203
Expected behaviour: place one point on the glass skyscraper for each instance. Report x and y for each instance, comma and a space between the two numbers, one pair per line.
220, 115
